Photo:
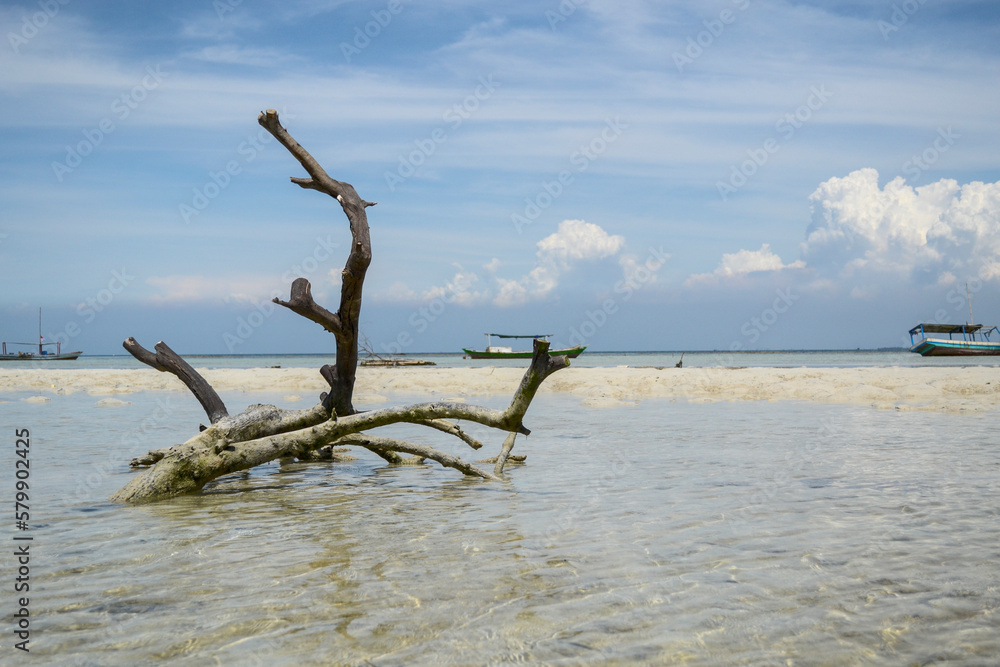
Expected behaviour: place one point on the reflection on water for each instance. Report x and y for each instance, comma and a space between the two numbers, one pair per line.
668, 532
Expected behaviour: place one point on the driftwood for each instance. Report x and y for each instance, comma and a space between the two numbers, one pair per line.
264, 433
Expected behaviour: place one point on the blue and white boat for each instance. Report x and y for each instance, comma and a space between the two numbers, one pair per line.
962, 340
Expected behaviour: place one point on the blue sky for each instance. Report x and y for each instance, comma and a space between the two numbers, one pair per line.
728, 174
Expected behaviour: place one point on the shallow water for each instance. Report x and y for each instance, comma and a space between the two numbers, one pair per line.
667, 532
811, 358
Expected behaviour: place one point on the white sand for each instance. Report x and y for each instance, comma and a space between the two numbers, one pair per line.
951, 389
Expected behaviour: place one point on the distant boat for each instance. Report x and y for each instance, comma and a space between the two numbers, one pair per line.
506, 352
41, 354
964, 340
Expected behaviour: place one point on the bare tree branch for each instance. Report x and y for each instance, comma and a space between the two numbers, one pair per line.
211, 454
453, 429
263, 433
345, 322
301, 302
168, 361
508, 444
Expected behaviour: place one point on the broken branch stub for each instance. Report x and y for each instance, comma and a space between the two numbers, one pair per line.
264, 433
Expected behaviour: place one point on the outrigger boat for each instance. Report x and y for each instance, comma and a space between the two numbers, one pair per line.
963, 340
506, 352
42, 354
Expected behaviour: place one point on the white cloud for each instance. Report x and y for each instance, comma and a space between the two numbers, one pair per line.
578, 240
210, 25
230, 54
192, 288
575, 241
933, 234
398, 291
458, 290
739, 264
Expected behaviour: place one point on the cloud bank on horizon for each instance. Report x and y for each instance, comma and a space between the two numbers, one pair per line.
677, 162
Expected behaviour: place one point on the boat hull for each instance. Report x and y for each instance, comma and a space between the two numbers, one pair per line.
68, 356
571, 352
931, 347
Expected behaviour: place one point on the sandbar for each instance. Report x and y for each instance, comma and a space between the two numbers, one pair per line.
971, 389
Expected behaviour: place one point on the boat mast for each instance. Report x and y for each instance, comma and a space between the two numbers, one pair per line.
968, 298
39, 330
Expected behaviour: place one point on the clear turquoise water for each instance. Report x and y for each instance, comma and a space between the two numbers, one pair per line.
663, 533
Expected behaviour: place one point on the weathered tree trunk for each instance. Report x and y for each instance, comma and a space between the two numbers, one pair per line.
263, 433
344, 323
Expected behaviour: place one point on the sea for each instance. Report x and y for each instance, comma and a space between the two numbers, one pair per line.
660, 533
776, 358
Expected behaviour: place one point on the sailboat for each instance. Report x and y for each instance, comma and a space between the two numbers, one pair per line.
42, 354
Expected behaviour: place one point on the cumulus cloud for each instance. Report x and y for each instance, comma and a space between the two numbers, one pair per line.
739, 264
575, 242
578, 240
863, 236
933, 234
493, 265
458, 290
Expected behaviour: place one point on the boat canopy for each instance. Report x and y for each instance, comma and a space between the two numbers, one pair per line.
946, 328
513, 336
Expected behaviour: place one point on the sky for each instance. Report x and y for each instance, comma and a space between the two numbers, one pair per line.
626, 174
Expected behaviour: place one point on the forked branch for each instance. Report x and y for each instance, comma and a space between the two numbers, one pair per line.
264, 433
344, 324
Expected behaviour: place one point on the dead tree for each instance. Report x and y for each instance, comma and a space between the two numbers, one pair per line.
264, 433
